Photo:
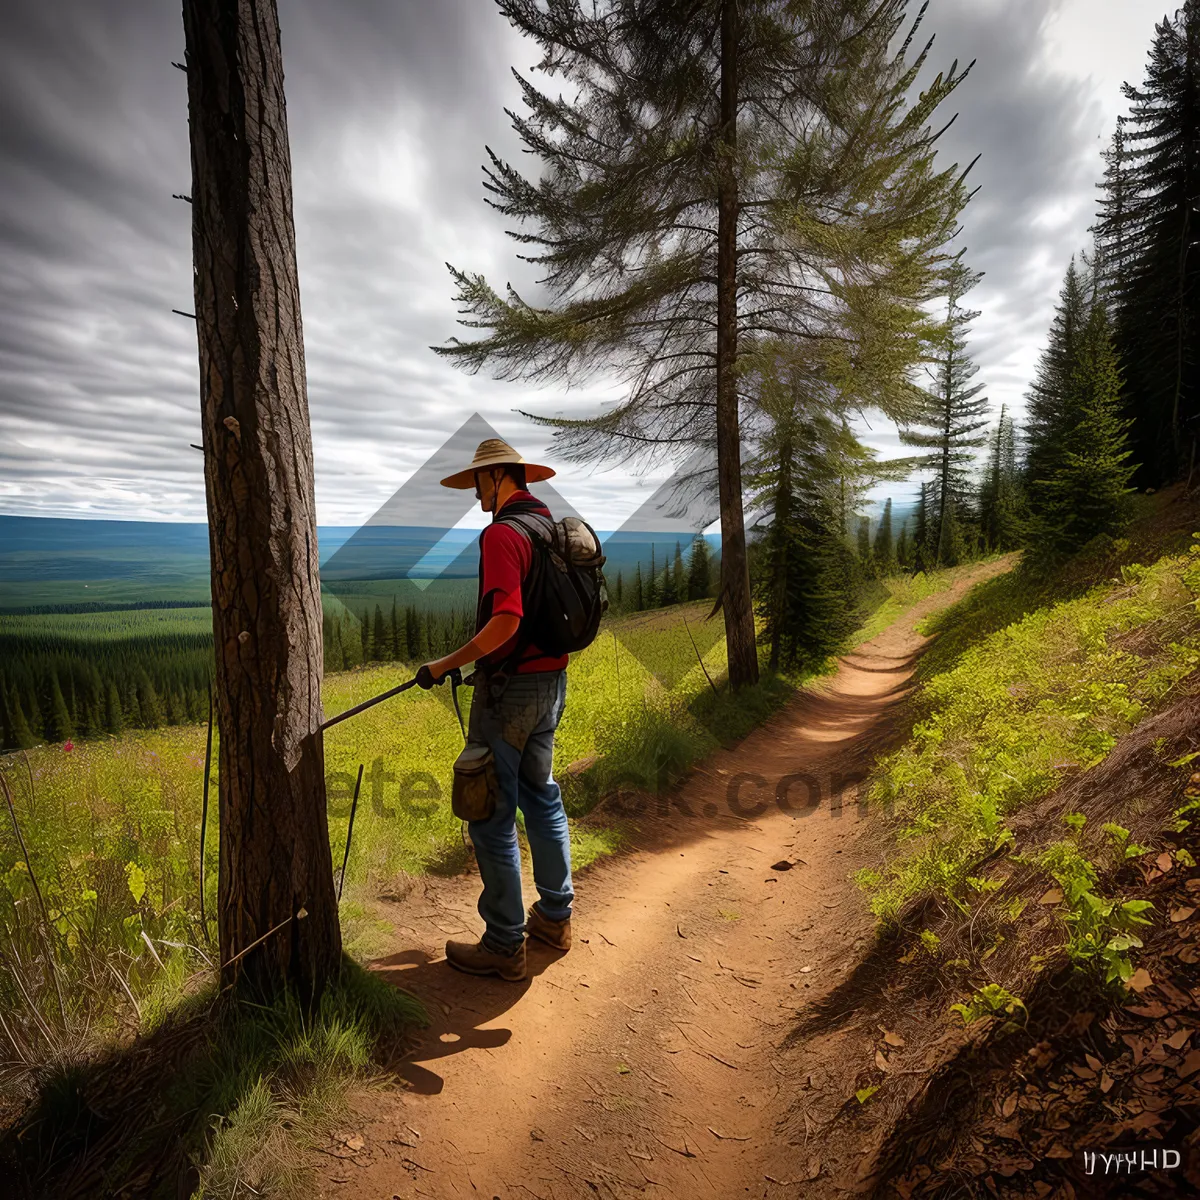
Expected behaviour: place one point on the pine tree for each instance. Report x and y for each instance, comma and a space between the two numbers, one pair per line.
922, 551
884, 550
1155, 220
652, 598
639, 592
678, 580
22, 735
903, 550
699, 569
619, 595
364, 629
380, 647
150, 708
948, 424
1113, 231
1001, 501
1085, 490
412, 634
62, 728
335, 656
800, 583
666, 588
863, 540
725, 171
275, 862
1049, 400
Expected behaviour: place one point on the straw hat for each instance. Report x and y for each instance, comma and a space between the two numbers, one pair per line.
494, 452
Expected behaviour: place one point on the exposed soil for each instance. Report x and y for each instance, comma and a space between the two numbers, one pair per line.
661, 1056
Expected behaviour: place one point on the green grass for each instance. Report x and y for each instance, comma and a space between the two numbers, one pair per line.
244, 1091
1027, 700
112, 826
278, 1082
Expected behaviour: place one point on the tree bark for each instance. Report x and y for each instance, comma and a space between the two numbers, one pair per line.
782, 519
735, 567
277, 913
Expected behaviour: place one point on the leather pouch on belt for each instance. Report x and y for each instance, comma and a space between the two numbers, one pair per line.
473, 797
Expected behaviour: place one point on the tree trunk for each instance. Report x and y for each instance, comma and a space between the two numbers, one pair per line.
735, 567
277, 918
782, 523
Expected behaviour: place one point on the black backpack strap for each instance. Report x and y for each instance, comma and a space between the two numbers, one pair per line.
541, 530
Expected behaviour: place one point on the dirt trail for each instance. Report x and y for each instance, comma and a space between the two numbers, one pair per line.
654, 1058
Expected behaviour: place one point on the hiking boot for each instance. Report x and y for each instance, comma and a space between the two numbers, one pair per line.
476, 959
553, 933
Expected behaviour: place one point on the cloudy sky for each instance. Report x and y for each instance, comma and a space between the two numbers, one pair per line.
390, 104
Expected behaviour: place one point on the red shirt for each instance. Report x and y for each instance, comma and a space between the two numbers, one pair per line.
505, 557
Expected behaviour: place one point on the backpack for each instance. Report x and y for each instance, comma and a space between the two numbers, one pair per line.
564, 595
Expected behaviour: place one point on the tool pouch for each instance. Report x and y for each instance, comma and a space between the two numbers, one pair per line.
473, 796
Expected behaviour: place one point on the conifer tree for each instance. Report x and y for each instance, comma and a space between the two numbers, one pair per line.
412, 634
666, 588
639, 592
1113, 232
699, 567
866, 558
1001, 495
1083, 490
150, 711
1151, 212
619, 594
62, 727
1049, 401
21, 735
800, 580
922, 551
364, 633
724, 171
903, 550
884, 549
949, 423
678, 580
335, 656
380, 645
652, 600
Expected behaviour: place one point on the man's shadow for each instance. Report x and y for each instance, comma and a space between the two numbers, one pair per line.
457, 1004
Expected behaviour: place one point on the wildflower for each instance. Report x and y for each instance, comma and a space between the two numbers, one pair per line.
68, 747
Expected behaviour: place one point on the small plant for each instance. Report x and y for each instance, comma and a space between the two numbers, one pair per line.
1019, 687
1123, 847
1102, 931
991, 1000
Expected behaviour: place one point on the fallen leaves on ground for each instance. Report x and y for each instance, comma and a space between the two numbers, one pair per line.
1092, 1081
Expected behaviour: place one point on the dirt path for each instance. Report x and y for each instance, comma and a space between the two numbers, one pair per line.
654, 1059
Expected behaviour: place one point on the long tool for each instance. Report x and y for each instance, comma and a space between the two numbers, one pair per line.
454, 676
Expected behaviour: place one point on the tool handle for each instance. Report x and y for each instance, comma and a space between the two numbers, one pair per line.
350, 712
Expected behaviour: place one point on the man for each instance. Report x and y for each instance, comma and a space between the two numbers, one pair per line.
519, 697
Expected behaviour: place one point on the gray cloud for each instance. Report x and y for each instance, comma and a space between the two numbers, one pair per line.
389, 106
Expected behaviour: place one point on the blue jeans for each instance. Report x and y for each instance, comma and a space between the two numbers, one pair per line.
519, 726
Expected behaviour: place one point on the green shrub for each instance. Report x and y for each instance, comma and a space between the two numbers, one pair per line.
1051, 691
